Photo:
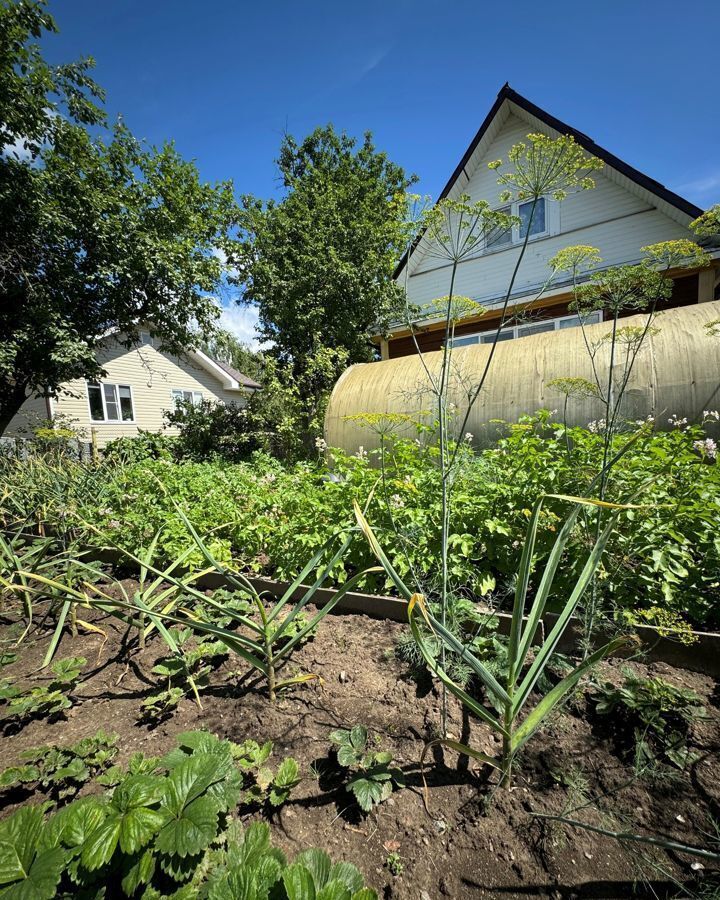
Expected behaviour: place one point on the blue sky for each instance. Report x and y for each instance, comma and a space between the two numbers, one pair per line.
226, 78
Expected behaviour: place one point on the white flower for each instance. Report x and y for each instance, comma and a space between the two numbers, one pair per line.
676, 422
397, 501
321, 444
597, 427
361, 452
469, 436
709, 414
708, 448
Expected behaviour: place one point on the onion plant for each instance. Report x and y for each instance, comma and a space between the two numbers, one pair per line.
456, 230
23, 556
509, 694
265, 640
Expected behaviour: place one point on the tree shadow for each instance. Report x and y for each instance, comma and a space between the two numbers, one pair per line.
599, 889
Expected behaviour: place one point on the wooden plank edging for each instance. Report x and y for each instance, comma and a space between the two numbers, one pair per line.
702, 656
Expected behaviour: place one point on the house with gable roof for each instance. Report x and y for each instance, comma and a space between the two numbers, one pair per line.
626, 210
140, 384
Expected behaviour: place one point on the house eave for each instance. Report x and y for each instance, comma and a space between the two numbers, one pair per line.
526, 297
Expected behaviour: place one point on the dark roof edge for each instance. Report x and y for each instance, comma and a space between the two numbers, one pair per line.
239, 376
507, 93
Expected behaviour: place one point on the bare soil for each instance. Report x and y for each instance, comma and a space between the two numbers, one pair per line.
477, 840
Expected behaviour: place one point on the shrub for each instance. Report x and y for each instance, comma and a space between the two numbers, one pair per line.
146, 445
209, 430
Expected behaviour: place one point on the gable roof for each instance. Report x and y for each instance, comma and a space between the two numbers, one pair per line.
231, 378
509, 101
237, 375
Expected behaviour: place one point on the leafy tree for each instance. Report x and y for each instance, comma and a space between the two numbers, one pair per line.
270, 420
318, 263
96, 233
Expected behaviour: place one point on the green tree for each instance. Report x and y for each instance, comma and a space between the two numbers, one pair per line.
224, 345
318, 263
97, 233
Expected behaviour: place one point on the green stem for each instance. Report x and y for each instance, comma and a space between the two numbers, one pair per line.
506, 780
444, 471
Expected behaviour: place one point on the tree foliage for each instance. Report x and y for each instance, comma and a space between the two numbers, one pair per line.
318, 263
96, 232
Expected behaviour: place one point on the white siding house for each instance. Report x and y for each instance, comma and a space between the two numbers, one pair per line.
624, 212
141, 384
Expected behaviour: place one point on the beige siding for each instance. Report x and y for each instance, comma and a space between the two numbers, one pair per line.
609, 217
151, 375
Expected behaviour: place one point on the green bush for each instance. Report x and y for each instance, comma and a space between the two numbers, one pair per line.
662, 564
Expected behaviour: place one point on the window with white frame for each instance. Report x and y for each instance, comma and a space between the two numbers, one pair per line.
526, 329
536, 221
110, 402
180, 395
500, 237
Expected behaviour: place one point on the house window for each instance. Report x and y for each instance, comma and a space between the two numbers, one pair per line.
516, 331
537, 226
110, 402
179, 395
500, 238
536, 328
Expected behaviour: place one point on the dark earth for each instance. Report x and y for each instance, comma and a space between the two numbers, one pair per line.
477, 840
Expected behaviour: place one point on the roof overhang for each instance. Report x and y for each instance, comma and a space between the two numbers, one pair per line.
527, 298
228, 382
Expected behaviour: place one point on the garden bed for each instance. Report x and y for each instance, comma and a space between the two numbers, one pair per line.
477, 841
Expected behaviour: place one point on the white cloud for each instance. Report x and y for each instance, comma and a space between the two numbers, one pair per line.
703, 190
241, 321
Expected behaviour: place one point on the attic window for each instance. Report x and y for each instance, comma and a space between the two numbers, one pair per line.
537, 226
501, 238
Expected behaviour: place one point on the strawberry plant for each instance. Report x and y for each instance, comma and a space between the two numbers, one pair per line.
164, 826
29, 865
657, 714
185, 670
44, 699
61, 771
251, 867
371, 777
